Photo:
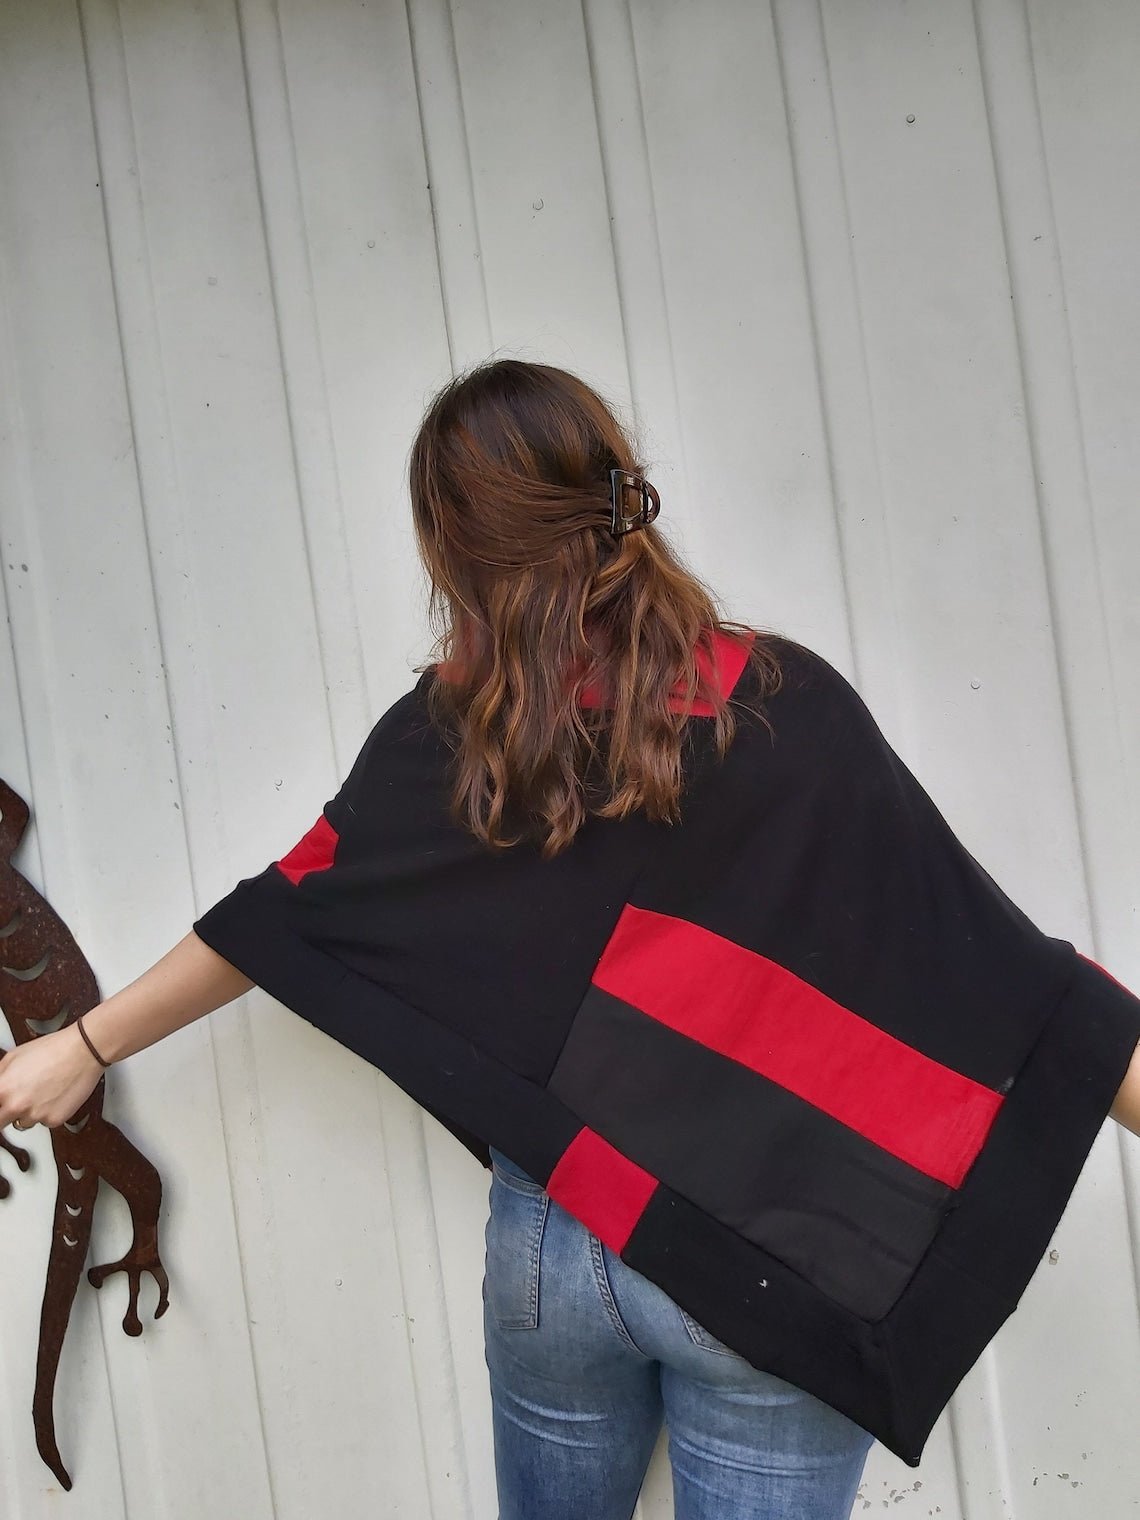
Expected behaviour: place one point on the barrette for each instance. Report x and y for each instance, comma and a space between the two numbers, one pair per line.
649, 503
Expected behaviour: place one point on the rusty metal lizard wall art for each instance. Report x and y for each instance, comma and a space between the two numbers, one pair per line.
45, 983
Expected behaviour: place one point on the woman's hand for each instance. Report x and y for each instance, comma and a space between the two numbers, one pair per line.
47, 1080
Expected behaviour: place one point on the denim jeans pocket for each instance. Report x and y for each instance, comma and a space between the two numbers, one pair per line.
514, 1246
702, 1337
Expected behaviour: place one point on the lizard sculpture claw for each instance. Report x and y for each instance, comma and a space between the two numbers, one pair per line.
142, 1257
18, 1154
46, 983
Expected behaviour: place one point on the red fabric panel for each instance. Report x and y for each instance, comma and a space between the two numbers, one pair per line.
759, 1013
602, 1188
313, 851
722, 671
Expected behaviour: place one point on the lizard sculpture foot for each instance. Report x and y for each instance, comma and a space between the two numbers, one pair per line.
139, 1259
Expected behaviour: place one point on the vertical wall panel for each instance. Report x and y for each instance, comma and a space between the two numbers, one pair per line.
860, 276
110, 840
739, 316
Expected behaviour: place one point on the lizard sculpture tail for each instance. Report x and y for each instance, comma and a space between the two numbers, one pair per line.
45, 983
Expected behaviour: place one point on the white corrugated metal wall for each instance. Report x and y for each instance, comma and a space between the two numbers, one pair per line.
864, 270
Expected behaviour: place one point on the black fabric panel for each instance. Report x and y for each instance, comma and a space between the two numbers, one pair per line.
484, 1101
851, 1217
498, 946
760, 1308
821, 850
1014, 1195
1009, 1206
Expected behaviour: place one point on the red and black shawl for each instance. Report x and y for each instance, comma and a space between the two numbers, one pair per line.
797, 1058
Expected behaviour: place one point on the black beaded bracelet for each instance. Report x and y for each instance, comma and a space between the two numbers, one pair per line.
87, 1041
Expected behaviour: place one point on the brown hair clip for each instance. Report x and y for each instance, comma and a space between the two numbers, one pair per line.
649, 503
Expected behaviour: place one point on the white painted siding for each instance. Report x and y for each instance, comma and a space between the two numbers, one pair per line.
886, 371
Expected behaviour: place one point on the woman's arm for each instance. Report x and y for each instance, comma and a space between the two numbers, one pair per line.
189, 981
47, 1079
1126, 1105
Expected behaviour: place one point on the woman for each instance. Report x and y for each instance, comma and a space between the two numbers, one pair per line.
576, 660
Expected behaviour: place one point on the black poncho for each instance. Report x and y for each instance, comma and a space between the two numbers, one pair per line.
797, 1058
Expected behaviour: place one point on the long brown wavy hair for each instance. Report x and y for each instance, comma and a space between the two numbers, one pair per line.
533, 598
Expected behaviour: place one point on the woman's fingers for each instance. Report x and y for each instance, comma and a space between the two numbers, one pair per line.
46, 1080
13, 1111
13, 1106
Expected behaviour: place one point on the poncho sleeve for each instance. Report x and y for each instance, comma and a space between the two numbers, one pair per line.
281, 925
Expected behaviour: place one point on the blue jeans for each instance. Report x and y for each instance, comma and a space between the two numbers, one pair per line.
587, 1357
